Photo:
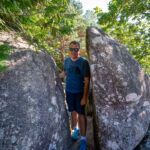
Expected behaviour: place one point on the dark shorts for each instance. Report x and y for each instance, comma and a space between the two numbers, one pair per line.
73, 101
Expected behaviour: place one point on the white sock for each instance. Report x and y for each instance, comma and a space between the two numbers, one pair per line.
76, 127
83, 138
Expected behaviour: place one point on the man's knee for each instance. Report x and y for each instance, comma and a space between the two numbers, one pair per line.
82, 116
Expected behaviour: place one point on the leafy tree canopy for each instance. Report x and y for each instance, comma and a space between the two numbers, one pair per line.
90, 17
40, 20
129, 22
45, 15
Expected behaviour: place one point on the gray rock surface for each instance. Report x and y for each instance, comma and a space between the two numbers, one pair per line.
121, 93
145, 143
32, 105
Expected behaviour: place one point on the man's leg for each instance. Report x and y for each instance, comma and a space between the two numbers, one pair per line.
82, 124
74, 116
70, 97
75, 134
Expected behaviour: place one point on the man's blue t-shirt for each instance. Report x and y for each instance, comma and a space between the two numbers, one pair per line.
76, 71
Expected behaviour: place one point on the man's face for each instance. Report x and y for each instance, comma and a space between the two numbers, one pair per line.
74, 50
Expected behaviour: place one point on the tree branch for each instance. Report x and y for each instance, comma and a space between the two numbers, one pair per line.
21, 14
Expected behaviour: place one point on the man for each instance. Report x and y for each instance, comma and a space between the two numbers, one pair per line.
77, 72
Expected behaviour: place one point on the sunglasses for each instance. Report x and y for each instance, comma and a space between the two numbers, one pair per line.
74, 49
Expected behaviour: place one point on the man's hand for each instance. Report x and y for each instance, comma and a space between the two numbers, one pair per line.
83, 101
62, 75
85, 93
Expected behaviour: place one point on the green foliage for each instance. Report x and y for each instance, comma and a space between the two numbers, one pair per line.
90, 17
4, 55
49, 24
40, 20
129, 22
36, 18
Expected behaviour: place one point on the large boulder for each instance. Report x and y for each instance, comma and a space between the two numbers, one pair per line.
121, 93
145, 143
33, 115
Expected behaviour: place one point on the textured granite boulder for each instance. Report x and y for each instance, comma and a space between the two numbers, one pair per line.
145, 143
33, 115
121, 93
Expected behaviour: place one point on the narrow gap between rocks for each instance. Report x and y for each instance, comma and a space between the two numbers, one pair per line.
90, 130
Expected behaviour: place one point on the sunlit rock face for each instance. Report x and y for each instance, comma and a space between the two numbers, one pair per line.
121, 93
32, 105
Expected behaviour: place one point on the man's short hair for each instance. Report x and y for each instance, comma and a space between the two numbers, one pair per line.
75, 43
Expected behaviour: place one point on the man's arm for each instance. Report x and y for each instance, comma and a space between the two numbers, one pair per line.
86, 90
62, 75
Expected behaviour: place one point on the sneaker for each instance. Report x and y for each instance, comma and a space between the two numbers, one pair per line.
83, 145
75, 134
